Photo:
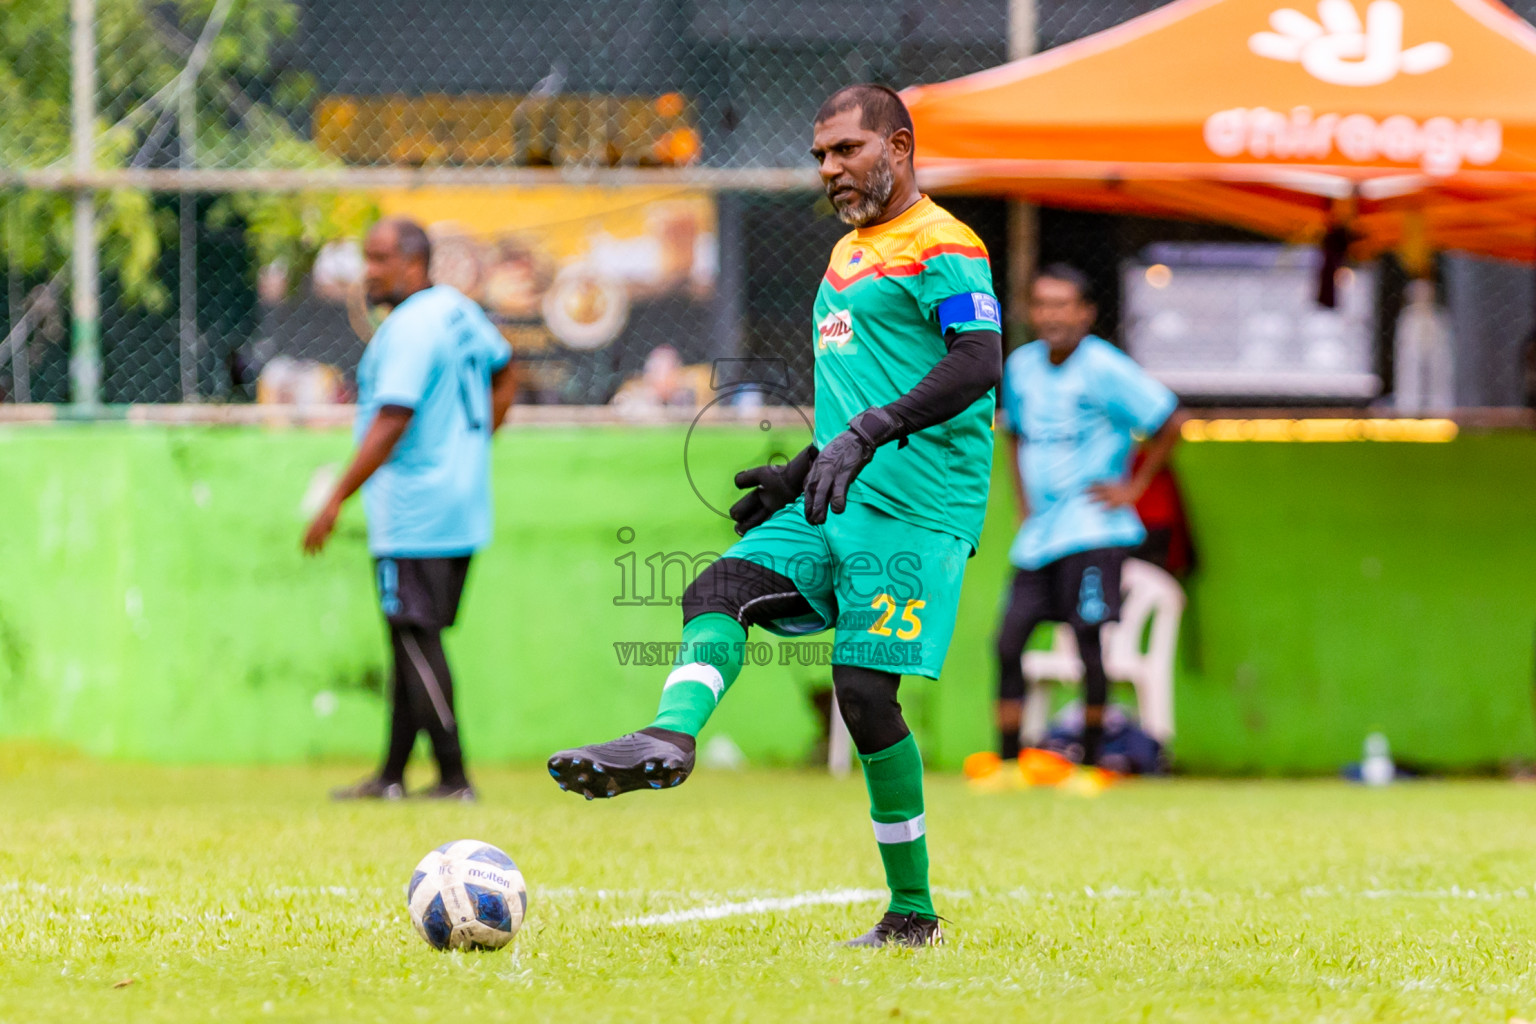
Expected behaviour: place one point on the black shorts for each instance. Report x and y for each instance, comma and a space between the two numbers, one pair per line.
422, 592
1082, 589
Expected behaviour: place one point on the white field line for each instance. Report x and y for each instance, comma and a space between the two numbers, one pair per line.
763, 905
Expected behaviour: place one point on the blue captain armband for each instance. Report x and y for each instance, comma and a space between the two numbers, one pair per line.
970, 307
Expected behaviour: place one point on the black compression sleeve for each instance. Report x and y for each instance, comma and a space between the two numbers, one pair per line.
972, 367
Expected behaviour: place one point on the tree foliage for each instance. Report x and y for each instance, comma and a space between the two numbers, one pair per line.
248, 105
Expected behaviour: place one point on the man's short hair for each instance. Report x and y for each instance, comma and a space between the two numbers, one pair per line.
411, 239
881, 109
1070, 274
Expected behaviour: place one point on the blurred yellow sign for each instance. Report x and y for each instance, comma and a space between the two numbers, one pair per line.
1422, 431
434, 130
568, 258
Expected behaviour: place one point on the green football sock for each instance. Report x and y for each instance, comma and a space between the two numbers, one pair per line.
707, 665
895, 780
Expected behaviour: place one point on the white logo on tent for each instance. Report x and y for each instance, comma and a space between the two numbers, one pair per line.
1339, 50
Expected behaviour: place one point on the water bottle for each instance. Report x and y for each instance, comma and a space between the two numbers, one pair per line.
1376, 768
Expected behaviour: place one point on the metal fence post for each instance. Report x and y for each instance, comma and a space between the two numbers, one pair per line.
85, 299
1023, 219
18, 332
187, 246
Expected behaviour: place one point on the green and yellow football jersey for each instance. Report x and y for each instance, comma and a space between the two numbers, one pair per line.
878, 314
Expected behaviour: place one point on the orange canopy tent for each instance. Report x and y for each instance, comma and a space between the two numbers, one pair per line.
1410, 122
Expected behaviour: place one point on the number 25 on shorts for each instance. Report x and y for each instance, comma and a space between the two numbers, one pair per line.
886, 604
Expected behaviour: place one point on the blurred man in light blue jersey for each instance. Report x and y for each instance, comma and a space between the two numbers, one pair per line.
434, 383
1073, 406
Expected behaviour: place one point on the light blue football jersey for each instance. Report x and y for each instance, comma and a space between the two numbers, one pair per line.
1076, 424
434, 354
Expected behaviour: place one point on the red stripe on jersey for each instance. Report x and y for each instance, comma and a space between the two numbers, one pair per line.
952, 249
841, 283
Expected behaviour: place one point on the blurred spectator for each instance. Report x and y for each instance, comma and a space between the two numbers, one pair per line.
434, 384
1072, 406
664, 383
300, 382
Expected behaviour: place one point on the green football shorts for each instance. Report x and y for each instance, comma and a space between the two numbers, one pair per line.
890, 589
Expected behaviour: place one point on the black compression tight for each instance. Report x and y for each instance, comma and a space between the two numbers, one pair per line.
867, 700
753, 594
1095, 691
1012, 686
423, 699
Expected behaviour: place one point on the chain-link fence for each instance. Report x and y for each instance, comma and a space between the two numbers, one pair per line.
623, 186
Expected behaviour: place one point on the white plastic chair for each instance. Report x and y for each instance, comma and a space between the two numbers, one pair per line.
1148, 594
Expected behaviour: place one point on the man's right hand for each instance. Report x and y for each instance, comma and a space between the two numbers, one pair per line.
773, 488
320, 529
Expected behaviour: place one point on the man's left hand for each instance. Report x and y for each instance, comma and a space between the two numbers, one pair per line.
833, 472
1114, 495
320, 529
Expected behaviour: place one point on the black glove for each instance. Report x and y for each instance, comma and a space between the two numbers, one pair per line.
842, 459
773, 487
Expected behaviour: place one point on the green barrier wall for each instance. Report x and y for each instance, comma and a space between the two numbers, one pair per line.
1347, 587
153, 603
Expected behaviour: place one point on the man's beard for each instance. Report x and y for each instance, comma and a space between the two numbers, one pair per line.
874, 193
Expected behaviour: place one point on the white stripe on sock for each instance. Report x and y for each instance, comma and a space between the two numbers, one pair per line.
699, 672
900, 831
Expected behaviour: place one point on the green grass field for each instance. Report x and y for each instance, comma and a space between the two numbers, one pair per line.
152, 894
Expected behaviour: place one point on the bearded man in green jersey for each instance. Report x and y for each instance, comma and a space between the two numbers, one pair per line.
866, 531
